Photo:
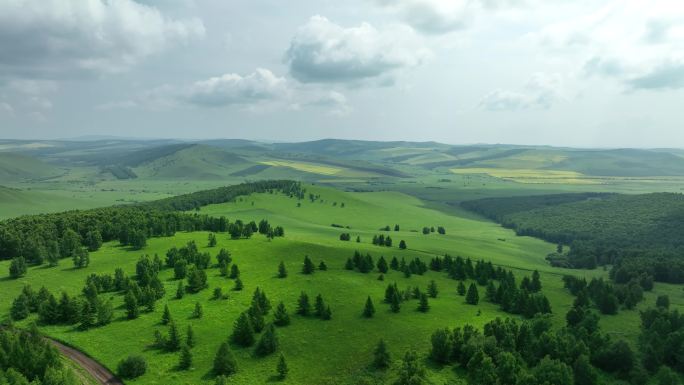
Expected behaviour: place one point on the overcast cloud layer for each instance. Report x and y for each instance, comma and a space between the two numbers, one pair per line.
559, 72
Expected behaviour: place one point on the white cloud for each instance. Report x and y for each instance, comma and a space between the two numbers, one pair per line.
229, 89
625, 40
324, 52
540, 92
50, 38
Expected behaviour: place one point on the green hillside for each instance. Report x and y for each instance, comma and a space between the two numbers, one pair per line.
16, 167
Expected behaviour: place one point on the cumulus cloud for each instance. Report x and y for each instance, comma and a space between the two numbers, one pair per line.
324, 52
638, 43
666, 76
232, 88
540, 92
442, 16
50, 38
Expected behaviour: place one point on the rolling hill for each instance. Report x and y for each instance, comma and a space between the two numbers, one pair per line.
16, 167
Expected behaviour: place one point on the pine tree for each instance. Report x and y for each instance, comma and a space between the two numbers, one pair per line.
395, 304
303, 305
185, 361
308, 266
535, 285
282, 368
282, 271
394, 263
234, 271
281, 317
402, 244
88, 315
180, 291
322, 266
319, 306
259, 297
369, 309
174, 340
190, 337
131, 304
382, 265
432, 289
256, 317
223, 268
212, 240
17, 267
20, 308
198, 312
349, 265
166, 316
472, 298
268, 343
243, 332
381, 357
224, 362
461, 288
358, 239
238, 284
423, 306
326, 315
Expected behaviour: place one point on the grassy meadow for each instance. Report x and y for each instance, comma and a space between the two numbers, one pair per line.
318, 352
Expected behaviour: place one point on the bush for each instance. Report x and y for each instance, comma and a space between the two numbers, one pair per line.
132, 367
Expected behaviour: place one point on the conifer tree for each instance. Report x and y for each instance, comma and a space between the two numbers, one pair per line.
234, 271
369, 309
322, 266
180, 291
212, 240
88, 315
423, 306
281, 317
308, 266
394, 263
243, 332
174, 340
224, 362
185, 361
166, 316
402, 244
282, 271
256, 317
303, 305
20, 308
358, 239
382, 265
535, 285
381, 357
282, 368
349, 265
223, 268
432, 289
268, 343
326, 315
472, 297
198, 312
131, 304
238, 284
259, 297
190, 337
395, 304
319, 306
461, 288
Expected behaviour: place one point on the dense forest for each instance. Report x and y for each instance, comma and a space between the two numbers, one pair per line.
49, 237
636, 233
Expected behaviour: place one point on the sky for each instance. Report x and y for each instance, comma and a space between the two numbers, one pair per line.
553, 72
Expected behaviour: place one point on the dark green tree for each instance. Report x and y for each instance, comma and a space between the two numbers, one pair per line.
131, 304
281, 317
282, 271
212, 240
268, 343
132, 367
472, 297
369, 309
282, 368
174, 340
20, 308
185, 360
198, 312
382, 265
166, 315
308, 266
381, 356
319, 306
243, 332
180, 291
303, 305
423, 306
442, 345
238, 284
322, 266
432, 289
224, 362
190, 337
412, 371
402, 244
234, 272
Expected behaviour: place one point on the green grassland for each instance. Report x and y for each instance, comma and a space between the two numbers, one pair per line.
318, 352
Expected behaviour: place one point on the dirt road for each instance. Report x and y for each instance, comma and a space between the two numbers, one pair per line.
99, 372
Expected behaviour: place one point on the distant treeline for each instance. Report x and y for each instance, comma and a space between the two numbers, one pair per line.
634, 232
51, 236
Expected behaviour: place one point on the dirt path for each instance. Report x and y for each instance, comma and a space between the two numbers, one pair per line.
99, 372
